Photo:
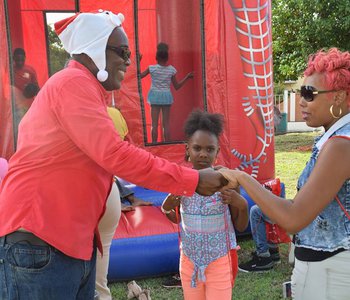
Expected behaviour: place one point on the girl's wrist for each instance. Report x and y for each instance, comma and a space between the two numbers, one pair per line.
165, 211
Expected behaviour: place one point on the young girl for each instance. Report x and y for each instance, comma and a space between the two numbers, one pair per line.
159, 96
207, 233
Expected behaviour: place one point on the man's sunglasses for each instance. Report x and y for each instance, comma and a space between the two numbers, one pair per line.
308, 92
122, 52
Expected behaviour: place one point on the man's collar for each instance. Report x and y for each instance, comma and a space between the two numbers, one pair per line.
75, 64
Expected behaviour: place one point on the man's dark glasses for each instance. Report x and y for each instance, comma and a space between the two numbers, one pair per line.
308, 92
122, 52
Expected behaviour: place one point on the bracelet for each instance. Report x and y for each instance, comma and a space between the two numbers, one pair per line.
166, 211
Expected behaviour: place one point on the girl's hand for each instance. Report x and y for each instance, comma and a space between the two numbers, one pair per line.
171, 202
175, 200
168, 208
190, 75
231, 197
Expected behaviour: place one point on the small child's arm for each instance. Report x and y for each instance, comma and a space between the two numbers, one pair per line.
168, 208
144, 73
178, 84
238, 208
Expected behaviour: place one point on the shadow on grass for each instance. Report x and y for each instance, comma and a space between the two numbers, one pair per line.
295, 142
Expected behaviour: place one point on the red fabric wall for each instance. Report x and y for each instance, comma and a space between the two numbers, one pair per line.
180, 29
27, 28
6, 131
53, 5
231, 87
147, 18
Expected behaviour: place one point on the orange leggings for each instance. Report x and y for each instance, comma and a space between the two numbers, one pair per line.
218, 284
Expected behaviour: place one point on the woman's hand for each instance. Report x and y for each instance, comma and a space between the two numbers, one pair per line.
231, 176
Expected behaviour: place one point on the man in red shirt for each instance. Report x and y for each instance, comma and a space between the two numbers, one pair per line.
68, 150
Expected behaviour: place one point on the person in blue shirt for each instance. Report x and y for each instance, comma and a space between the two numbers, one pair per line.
319, 213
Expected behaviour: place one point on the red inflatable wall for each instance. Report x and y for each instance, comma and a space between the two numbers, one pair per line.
226, 43
6, 130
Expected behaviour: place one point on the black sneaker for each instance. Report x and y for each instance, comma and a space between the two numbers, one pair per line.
275, 255
257, 264
173, 282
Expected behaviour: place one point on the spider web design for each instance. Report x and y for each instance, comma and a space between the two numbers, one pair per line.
254, 41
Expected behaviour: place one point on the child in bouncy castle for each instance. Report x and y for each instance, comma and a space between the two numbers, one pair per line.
208, 259
159, 96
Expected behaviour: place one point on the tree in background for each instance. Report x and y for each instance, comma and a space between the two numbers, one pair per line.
57, 55
301, 27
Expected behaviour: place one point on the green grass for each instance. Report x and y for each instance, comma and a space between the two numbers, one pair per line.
291, 154
292, 151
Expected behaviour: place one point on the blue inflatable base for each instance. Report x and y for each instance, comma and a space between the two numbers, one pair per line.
144, 257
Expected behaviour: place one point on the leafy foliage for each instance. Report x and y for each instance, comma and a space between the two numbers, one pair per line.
57, 55
302, 27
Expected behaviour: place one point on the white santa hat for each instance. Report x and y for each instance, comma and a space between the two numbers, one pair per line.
88, 33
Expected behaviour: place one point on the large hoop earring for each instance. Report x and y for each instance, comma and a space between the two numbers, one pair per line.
333, 115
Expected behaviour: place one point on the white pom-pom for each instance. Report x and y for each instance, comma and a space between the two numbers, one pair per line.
102, 75
121, 17
116, 20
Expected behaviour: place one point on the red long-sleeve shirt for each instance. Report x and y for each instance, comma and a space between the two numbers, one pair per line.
67, 152
24, 76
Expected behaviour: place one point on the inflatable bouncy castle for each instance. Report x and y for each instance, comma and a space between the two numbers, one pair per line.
227, 44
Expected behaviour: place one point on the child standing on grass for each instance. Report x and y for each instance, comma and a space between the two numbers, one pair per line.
208, 240
159, 96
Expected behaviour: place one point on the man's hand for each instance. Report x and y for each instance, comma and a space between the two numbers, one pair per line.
210, 181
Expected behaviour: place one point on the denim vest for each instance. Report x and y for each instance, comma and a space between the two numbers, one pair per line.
207, 232
331, 228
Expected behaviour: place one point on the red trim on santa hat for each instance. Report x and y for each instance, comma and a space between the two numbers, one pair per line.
62, 25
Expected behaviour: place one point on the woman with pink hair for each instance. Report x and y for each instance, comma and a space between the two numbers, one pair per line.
319, 213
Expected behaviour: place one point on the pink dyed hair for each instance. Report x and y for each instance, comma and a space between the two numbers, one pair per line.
334, 64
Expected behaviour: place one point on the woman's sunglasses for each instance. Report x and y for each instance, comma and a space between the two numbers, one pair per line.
308, 92
122, 52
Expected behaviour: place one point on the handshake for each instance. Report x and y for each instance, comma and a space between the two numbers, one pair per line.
213, 180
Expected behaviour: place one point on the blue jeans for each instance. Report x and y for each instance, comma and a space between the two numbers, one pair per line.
43, 272
258, 228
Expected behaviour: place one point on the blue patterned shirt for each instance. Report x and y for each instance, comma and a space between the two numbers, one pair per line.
207, 232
